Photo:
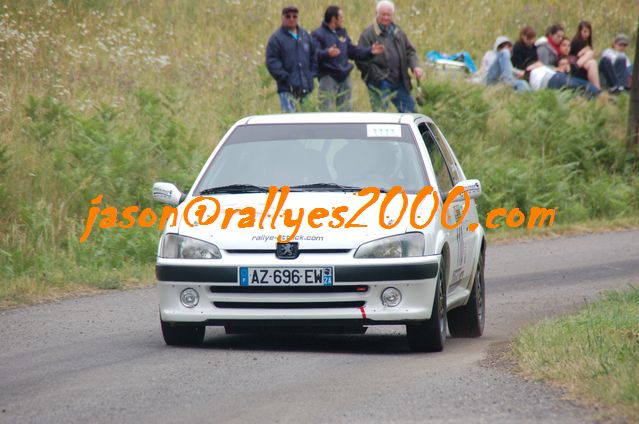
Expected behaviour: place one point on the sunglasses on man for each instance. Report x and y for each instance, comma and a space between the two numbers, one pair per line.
290, 16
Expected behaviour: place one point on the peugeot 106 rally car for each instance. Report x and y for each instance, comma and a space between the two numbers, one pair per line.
325, 222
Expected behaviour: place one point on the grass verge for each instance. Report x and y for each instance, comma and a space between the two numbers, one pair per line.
593, 354
47, 287
505, 234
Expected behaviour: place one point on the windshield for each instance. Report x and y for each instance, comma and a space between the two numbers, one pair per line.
317, 157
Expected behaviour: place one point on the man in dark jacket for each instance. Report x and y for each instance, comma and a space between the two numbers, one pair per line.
291, 60
386, 75
334, 49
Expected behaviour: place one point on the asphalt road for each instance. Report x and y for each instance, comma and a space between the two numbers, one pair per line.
102, 358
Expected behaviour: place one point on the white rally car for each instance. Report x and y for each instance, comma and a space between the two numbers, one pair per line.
325, 222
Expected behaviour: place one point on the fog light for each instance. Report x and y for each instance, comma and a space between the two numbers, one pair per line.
391, 297
189, 298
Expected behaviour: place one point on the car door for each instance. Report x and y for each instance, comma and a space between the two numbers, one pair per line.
444, 184
469, 247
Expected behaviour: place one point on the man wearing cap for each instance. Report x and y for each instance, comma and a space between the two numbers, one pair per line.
291, 60
615, 65
496, 66
386, 75
334, 49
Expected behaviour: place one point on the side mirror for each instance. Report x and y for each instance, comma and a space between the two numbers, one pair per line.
168, 193
472, 187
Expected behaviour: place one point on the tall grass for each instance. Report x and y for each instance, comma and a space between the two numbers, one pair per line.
102, 97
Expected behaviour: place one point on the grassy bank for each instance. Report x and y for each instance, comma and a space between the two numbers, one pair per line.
594, 354
106, 97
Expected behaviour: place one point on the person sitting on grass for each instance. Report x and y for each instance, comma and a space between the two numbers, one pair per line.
524, 50
615, 65
548, 46
542, 76
564, 51
582, 54
497, 68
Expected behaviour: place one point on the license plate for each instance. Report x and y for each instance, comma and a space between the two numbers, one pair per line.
317, 276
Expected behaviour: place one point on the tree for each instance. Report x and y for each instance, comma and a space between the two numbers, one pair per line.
633, 114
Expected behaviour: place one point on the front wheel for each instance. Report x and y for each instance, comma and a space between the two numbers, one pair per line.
430, 335
468, 320
182, 334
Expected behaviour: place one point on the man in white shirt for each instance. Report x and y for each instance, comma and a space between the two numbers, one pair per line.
615, 65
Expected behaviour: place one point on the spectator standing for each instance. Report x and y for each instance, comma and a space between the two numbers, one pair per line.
615, 65
386, 75
582, 54
524, 50
548, 46
291, 60
335, 48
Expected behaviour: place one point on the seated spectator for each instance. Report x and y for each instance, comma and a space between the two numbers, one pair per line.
542, 76
496, 66
564, 51
524, 50
548, 46
615, 65
582, 54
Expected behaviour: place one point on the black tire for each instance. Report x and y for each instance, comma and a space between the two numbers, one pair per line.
178, 334
468, 320
430, 336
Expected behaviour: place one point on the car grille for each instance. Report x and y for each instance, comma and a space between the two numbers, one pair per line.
272, 251
290, 289
288, 305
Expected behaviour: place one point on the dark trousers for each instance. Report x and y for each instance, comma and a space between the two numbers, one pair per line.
386, 92
616, 73
561, 80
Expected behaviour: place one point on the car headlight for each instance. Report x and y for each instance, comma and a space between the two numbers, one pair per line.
400, 246
175, 246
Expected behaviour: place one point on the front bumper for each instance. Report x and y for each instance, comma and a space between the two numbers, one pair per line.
223, 301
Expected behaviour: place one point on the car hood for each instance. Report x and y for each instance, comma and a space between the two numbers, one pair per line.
253, 206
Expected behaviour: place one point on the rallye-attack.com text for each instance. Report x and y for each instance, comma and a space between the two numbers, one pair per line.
338, 217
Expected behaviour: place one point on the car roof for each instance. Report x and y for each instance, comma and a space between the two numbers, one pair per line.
333, 118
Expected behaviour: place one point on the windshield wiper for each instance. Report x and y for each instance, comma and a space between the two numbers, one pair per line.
235, 188
327, 187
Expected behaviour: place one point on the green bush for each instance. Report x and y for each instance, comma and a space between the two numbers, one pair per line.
82, 155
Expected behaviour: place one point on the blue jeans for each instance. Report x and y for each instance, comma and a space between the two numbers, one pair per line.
289, 103
502, 71
561, 80
616, 73
383, 92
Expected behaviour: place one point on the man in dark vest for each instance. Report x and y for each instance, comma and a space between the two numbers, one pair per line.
386, 75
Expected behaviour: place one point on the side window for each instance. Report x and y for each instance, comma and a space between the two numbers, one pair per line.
439, 164
448, 156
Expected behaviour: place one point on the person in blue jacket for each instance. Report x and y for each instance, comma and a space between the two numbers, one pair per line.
291, 60
335, 48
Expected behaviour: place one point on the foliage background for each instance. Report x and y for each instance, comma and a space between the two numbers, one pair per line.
105, 97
